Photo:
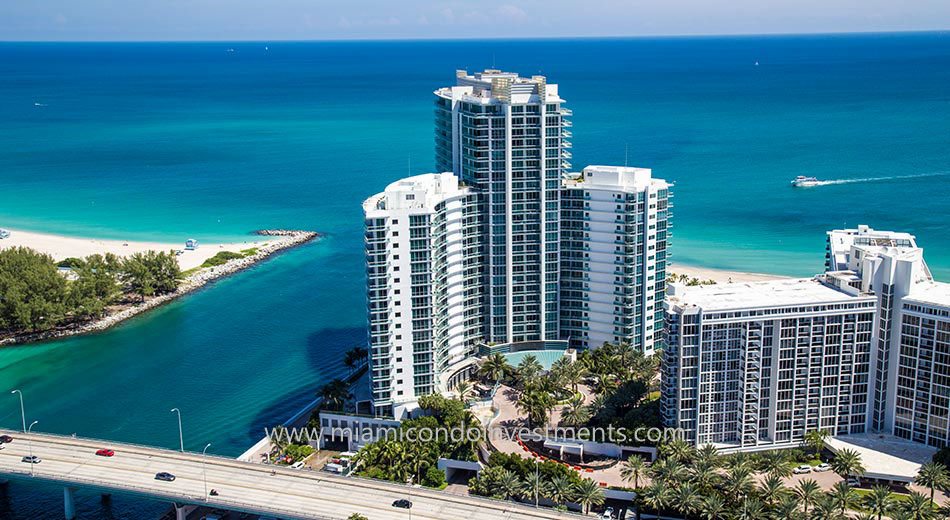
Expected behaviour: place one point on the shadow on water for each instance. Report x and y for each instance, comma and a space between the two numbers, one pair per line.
327, 362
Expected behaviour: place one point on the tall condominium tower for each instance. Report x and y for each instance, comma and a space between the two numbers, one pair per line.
759, 364
425, 289
507, 136
614, 239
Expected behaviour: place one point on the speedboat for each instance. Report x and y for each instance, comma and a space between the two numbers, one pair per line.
805, 182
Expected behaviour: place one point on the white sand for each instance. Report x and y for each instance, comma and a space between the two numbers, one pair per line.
720, 275
62, 247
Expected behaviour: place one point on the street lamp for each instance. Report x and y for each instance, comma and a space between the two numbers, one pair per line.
181, 440
29, 441
204, 469
537, 481
409, 482
22, 410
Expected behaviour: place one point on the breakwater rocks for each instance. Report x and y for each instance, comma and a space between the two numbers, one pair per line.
287, 239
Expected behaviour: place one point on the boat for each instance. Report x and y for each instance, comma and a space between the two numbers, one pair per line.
805, 182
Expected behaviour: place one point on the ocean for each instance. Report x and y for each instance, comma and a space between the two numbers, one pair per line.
192, 140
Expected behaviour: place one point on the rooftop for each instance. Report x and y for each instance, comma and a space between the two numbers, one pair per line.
747, 295
613, 177
932, 293
416, 192
884, 456
497, 86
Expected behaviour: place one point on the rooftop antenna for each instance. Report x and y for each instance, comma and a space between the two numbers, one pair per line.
626, 149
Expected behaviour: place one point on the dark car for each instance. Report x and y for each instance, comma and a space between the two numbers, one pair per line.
105, 452
6, 438
31, 459
167, 477
403, 503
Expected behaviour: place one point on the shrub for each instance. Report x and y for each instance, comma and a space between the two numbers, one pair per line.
433, 478
221, 258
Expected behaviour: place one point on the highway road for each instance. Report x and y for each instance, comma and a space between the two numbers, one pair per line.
243, 486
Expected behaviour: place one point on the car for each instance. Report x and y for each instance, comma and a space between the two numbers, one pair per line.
5, 439
608, 514
853, 482
2, 447
105, 452
402, 503
166, 476
297, 465
824, 466
801, 470
31, 459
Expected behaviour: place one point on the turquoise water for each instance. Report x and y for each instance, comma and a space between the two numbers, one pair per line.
168, 141
545, 357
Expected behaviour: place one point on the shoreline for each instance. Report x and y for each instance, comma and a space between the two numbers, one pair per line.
721, 276
285, 239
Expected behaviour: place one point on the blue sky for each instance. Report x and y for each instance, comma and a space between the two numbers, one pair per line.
384, 19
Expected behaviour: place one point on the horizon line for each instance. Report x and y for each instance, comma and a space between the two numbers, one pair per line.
502, 38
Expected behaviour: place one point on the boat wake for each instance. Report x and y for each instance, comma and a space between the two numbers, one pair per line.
878, 179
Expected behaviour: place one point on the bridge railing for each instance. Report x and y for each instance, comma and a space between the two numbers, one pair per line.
224, 503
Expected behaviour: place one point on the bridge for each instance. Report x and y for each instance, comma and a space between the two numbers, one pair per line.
242, 486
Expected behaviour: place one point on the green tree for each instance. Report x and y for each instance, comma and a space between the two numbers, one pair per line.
750, 509
534, 404
33, 295
657, 496
688, 500
847, 463
842, 497
815, 439
879, 501
588, 493
561, 490
713, 508
535, 486
787, 508
96, 285
494, 367
918, 506
357, 516
772, 489
776, 463
151, 272
335, 394
507, 485
808, 493
932, 475
575, 413
633, 469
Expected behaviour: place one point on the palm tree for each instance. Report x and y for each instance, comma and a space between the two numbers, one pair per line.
826, 509
843, 497
335, 394
633, 468
534, 404
879, 501
750, 509
739, 483
561, 490
815, 439
713, 508
679, 450
575, 413
772, 489
932, 475
787, 508
588, 493
847, 463
776, 462
708, 454
507, 485
704, 474
657, 495
534, 487
494, 367
528, 369
464, 389
918, 506
687, 500
808, 492
668, 471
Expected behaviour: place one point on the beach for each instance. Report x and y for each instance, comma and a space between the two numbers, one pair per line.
268, 243
61, 247
719, 275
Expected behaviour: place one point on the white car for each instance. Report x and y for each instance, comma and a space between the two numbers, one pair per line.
824, 466
608, 514
801, 470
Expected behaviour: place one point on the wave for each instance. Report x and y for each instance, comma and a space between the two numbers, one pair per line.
877, 179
